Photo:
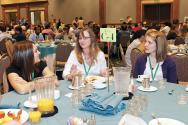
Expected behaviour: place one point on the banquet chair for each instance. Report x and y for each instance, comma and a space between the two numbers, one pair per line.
4, 64
6, 47
62, 53
181, 61
135, 53
124, 39
122, 55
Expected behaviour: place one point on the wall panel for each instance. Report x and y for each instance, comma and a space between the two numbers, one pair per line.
183, 9
118, 9
68, 9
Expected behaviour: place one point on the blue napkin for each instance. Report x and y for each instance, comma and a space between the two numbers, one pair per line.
105, 104
7, 106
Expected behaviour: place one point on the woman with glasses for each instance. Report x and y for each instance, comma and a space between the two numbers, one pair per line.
155, 62
25, 66
86, 59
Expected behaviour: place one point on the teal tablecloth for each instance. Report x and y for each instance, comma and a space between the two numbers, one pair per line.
46, 50
159, 102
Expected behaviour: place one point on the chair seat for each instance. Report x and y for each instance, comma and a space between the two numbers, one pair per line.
183, 83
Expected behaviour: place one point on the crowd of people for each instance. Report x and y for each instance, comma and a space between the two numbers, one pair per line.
87, 58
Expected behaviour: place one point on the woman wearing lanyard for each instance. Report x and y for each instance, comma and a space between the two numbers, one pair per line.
155, 62
86, 59
25, 66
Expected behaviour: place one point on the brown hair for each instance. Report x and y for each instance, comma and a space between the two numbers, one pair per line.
161, 43
94, 49
6, 47
23, 58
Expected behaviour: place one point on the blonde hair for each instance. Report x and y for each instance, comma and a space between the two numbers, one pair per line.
161, 43
93, 50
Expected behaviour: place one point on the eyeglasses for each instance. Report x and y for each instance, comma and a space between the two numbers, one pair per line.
84, 38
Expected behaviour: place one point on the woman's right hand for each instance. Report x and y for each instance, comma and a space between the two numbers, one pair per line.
73, 71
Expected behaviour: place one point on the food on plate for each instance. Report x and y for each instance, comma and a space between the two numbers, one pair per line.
90, 79
2, 114
4, 120
9, 116
15, 116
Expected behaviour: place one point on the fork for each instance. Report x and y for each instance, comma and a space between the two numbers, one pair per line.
154, 117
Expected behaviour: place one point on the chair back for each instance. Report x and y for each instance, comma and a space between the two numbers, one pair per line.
124, 39
4, 64
181, 61
122, 55
6, 47
62, 53
135, 53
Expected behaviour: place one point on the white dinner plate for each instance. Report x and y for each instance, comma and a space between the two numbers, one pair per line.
95, 79
150, 89
186, 89
33, 103
24, 115
165, 121
99, 85
128, 119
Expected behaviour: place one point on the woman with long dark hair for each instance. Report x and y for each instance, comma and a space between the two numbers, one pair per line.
25, 66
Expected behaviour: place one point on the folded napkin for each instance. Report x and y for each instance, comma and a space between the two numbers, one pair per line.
7, 106
105, 104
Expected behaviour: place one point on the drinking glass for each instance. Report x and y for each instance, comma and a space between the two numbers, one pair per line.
122, 80
182, 99
162, 83
45, 87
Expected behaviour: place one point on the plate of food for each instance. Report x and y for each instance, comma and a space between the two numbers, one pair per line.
165, 121
95, 79
10, 114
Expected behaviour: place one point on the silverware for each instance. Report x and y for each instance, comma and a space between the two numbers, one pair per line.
171, 92
155, 117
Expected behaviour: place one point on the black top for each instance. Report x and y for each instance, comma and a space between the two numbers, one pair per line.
39, 67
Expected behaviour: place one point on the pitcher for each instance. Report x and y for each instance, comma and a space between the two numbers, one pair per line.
45, 87
122, 80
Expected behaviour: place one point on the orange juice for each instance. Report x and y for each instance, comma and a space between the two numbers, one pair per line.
34, 116
46, 105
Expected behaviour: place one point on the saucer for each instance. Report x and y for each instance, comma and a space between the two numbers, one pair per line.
30, 104
150, 89
99, 86
75, 88
165, 121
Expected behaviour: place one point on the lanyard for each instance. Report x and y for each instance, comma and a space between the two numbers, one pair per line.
32, 75
87, 71
155, 72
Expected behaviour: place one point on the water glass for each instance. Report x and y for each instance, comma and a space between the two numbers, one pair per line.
77, 81
92, 120
122, 80
162, 83
182, 99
